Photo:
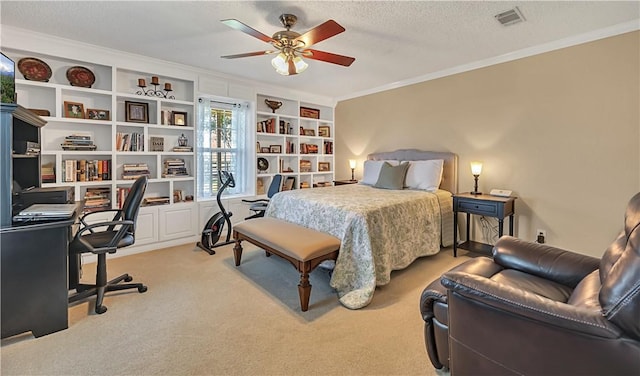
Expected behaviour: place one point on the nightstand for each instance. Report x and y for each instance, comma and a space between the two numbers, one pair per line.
487, 206
343, 182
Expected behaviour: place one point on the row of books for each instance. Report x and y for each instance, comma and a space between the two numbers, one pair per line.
308, 149
328, 147
85, 170
129, 141
132, 171
96, 199
266, 126
78, 142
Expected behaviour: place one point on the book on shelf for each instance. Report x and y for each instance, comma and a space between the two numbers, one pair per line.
48, 173
182, 149
328, 147
132, 171
96, 199
121, 195
85, 170
174, 167
150, 201
78, 142
266, 126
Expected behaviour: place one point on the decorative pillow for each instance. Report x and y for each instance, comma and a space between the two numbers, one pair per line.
372, 170
392, 177
425, 175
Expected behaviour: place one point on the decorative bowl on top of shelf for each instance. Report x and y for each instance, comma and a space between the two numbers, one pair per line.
273, 105
80, 76
34, 69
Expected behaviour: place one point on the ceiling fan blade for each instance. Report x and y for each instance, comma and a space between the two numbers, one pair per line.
257, 53
328, 57
235, 24
321, 32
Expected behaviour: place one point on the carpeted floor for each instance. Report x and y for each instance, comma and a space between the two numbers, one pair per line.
202, 315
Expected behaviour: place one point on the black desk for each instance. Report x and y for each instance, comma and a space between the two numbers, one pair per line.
34, 275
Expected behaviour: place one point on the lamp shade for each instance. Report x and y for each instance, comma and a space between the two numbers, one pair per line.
476, 168
352, 163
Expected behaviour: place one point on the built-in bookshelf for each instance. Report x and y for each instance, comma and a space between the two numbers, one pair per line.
94, 130
296, 140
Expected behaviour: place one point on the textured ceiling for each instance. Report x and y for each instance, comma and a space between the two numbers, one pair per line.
391, 41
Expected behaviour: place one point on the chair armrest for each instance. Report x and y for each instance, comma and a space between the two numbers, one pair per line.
254, 201
514, 301
126, 224
559, 265
115, 217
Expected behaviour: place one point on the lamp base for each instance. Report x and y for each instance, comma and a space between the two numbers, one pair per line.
476, 193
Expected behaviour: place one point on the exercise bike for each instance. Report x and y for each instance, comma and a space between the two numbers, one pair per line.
215, 225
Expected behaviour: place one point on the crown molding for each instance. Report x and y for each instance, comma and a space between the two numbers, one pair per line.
575, 40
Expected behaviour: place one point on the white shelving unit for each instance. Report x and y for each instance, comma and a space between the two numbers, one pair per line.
113, 87
293, 145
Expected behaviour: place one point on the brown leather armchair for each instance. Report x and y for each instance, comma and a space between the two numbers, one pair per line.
538, 310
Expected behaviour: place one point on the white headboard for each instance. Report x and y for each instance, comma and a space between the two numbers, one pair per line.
449, 171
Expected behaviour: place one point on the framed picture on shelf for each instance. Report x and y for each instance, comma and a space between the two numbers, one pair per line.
165, 117
310, 112
179, 118
73, 110
288, 183
324, 166
95, 114
309, 132
136, 112
324, 131
275, 149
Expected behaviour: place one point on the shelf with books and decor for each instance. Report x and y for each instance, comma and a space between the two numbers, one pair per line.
100, 118
293, 138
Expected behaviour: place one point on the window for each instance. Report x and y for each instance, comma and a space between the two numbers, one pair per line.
221, 141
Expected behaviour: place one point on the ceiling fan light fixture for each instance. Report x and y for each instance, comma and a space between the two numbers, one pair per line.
281, 64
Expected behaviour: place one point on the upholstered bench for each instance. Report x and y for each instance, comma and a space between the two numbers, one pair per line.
301, 246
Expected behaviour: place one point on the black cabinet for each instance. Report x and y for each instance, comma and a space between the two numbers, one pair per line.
19, 159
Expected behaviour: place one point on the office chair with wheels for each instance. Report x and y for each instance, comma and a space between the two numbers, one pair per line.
258, 207
119, 232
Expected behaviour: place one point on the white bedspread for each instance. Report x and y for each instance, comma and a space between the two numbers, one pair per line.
380, 230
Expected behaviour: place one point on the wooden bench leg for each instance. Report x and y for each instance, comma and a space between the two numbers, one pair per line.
304, 290
237, 251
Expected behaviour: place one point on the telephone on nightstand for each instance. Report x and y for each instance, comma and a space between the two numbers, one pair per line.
500, 192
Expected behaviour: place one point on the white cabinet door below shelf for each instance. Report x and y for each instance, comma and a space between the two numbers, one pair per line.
147, 226
178, 221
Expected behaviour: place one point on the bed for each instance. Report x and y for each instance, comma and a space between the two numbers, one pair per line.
381, 230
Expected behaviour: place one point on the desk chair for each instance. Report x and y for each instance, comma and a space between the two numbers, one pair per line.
258, 207
119, 232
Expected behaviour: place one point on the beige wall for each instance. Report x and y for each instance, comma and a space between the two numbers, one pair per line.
560, 129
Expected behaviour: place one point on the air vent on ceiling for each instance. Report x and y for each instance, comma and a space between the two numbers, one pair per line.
510, 17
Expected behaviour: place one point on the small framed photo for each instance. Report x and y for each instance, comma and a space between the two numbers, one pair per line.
179, 118
265, 149
165, 117
275, 149
312, 113
136, 112
95, 114
309, 132
73, 110
324, 166
324, 131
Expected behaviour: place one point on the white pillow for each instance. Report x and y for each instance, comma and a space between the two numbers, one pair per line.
425, 175
372, 170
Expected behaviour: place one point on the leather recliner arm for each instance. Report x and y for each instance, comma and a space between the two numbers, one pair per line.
522, 303
559, 265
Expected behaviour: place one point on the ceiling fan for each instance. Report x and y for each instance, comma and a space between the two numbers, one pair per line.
292, 46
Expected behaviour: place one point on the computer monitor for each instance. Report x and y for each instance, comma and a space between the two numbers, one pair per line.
8, 79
